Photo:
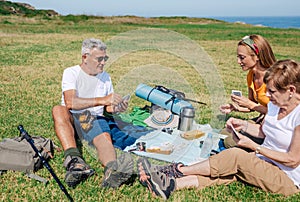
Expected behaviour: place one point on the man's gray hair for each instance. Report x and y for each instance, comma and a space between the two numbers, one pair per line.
89, 44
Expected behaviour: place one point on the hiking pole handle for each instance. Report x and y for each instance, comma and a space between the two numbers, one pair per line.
25, 135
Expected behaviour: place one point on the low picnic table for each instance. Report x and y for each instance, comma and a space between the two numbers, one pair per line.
183, 150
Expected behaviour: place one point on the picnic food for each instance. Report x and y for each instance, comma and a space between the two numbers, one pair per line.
158, 150
193, 134
165, 148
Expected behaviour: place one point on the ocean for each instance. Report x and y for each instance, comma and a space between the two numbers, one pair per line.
275, 22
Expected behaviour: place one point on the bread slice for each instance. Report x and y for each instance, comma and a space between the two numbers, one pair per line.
192, 134
158, 150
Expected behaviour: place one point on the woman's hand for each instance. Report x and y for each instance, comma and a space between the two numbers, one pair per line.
242, 101
245, 142
241, 140
227, 108
238, 124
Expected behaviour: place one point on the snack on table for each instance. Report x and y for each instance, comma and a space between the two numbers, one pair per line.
165, 148
193, 134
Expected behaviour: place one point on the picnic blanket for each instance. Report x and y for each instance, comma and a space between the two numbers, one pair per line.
185, 151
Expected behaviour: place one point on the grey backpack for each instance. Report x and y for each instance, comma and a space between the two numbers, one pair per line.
18, 155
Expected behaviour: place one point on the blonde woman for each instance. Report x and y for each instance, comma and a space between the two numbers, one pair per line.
255, 55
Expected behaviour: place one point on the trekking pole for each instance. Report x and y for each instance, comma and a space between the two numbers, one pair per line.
196, 101
25, 135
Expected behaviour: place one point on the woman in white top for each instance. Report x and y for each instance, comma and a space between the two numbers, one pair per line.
272, 166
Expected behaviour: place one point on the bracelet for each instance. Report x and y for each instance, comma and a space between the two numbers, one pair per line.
257, 150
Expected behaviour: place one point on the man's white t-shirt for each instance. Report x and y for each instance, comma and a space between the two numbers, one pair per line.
86, 86
279, 134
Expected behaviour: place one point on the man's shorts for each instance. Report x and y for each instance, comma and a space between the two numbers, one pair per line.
99, 125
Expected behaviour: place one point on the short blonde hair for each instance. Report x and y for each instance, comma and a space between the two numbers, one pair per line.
284, 73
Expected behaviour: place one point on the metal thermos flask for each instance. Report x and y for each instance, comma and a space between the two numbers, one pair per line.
186, 119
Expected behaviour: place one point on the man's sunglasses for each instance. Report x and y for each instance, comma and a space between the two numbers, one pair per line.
100, 59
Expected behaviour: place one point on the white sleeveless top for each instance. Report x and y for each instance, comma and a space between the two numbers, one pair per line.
279, 134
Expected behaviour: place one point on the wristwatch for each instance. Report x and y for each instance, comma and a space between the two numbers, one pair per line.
257, 150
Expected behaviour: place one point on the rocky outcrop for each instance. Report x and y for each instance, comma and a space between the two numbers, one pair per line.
23, 9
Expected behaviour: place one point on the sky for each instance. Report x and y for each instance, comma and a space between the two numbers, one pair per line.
157, 8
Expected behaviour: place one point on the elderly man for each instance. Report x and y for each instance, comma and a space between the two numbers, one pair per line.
87, 94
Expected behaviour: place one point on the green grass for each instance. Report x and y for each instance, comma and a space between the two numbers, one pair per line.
35, 51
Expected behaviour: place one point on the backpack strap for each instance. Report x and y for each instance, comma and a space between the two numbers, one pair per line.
32, 176
36, 177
